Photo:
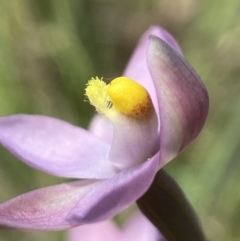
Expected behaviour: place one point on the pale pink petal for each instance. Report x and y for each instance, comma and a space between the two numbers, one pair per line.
44, 209
102, 231
182, 97
102, 127
55, 146
139, 228
115, 194
137, 67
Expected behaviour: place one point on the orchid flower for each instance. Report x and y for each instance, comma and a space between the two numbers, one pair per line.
136, 228
148, 116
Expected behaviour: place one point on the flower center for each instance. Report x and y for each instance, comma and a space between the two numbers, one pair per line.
122, 95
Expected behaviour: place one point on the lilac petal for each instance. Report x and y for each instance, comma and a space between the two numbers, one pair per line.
102, 231
134, 141
138, 227
183, 99
55, 146
43, 209
137, 68
102, 127
115, 194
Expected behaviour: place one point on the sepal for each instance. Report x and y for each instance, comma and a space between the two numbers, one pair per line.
167, 207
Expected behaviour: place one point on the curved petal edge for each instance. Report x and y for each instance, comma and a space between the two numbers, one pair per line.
137, 67
115, 194
55, 146
182, 96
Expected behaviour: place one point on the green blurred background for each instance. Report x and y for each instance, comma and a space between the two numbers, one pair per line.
50, 48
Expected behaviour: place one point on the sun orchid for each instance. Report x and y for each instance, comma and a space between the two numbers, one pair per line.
120, 155
137, 227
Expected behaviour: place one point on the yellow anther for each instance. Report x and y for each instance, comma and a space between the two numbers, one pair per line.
130, 98
122, 95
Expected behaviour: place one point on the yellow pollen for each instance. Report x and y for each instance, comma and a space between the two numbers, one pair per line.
130, 98
122, 94
96, 91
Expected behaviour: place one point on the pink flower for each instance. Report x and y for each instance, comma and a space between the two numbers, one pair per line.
136, 228
116, 170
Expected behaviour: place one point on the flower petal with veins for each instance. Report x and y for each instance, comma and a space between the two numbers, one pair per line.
182, 97
45, 208
115, 194
56, 147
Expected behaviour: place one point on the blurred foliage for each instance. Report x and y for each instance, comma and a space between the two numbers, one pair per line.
50, 48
